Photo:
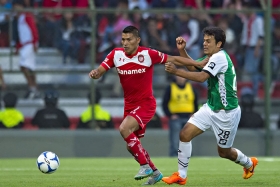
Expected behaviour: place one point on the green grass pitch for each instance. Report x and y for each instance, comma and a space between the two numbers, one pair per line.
119, 172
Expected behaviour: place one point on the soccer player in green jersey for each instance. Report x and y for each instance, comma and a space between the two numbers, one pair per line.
221, 112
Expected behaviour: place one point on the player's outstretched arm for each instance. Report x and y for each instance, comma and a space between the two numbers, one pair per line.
181, 61
97, 73
194, 76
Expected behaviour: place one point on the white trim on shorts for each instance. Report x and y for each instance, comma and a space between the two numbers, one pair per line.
224, 123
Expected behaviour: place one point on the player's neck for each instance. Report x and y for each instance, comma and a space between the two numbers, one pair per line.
133, 53
216, 51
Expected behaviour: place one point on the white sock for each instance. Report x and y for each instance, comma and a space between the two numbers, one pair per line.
243, 160
184, 155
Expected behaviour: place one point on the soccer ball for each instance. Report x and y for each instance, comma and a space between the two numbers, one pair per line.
47, 162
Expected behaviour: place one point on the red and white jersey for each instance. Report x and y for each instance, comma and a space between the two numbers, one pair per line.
135, 72
27, 30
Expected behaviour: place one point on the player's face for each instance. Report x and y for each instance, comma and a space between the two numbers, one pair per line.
130, 43
209, 45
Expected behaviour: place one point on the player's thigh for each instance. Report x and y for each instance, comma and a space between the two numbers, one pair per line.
225, 124
143, 114
129, 123
202, 118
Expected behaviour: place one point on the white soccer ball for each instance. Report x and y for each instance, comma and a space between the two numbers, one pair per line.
48, 162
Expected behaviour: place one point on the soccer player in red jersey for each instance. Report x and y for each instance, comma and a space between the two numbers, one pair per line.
134, 65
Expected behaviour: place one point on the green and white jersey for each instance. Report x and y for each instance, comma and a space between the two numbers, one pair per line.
222, 89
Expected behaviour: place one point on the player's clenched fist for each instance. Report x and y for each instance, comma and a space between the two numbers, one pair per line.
94, 74
170, 68
181, 42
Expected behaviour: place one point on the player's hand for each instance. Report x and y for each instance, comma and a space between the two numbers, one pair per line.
202, 63
170, 68
181, 43
94, 74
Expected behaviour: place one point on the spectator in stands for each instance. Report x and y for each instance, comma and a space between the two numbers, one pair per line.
276, 4
163, 4
4, 23
10, 117
231, 44
113, 31
102, 118
204, 18
275, 56
49, 21
27, 45
249, 118
179, 102
67, 37
139, 4
188, 28
51, 117
155, 36
137, 19
2, 81
252, 41
234, 21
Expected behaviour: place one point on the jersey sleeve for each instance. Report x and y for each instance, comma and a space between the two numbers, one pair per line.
157, 57
216, 64
108, 62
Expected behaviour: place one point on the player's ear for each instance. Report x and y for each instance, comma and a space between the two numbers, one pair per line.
138, 39
219, 44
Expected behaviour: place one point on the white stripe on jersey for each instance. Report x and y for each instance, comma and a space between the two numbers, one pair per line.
106, 64
121, 59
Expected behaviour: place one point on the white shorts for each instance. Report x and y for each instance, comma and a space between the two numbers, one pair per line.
224, 123
27, 56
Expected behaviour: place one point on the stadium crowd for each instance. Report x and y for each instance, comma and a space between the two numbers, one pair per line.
70, 33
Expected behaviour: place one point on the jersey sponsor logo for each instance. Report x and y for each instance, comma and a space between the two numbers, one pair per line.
212, 65
131, 71
121, 59
223, 96
141, 58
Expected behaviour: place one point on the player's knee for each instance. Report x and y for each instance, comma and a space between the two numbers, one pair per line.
185, 136
122, 130
224, 153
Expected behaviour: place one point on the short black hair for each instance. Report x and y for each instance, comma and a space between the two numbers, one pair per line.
10, 100
131, 29
217, 32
